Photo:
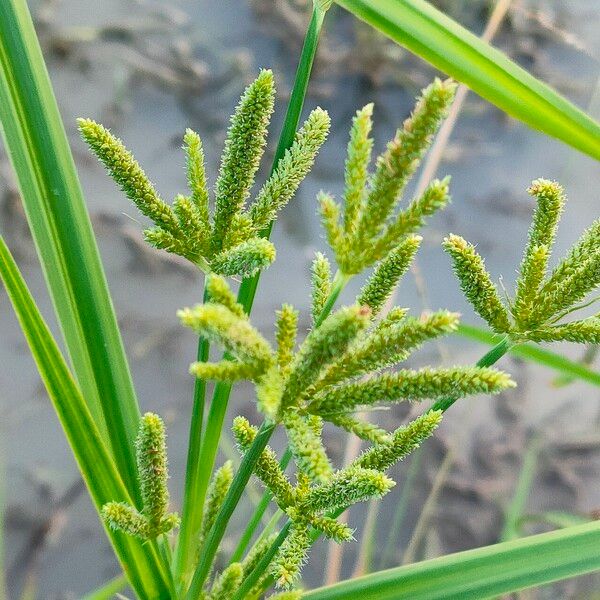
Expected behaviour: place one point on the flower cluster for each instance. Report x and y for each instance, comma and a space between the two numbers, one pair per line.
369, 228
541, 300
232, 243
154, 519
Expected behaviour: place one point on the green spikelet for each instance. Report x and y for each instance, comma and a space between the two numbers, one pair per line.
227, 583
330, 218
384, 279
397, 164
219, 324
269, 391
320, 285
400, 444
476, 284
125, 170
245, 259
533, 270
323, 345
423, 384
256, 553
219, 486
244, 147
225, 370
291, 169
219, 291
306, 446
163, 240
339, 532
267, 468
357, 167
122, 517
287, 330
291, 556
586, 331
434, 198
362, 429
346, 487
152, 468
196, 175
241, 230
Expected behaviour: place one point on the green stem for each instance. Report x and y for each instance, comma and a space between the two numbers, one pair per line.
187, 547
238, 553
215, 535
339, 283
487, 360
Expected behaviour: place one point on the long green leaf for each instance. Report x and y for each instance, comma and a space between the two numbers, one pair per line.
482, 573
140, 562
535, 354
454, 50
37, 145
108, 590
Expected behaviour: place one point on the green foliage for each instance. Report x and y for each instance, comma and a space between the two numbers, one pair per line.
541, 301
153, 520
232, 245
370, 230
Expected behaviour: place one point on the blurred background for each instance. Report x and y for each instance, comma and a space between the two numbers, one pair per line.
149, 69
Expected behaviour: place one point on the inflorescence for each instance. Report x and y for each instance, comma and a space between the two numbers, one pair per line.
232, 243
541, 300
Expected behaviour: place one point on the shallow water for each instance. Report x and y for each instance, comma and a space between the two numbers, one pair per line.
492, 160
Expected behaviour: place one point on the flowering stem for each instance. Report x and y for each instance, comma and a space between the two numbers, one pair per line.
198, 472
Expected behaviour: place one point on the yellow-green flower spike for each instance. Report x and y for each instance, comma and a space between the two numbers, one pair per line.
476, 283
291, 556
234, 333
267, 468
123, 517
401, 443
346, 487
320, 285
397, 164
196, 232
269, 390
586, 331
126, 171
245, 259
330, 212
227, 582
291, 170
332, 529
388, 272
219, 291
357, 167
244, 147
403, 385
151, 453
196, 175
287, 330
225, 370
533, 271
256, 553
362, 429
323, 345
307, 447
219, 486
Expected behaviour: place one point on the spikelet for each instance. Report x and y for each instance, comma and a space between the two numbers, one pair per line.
287, 330
346, 487
400, 444
244, 147
362, 429
306, 446
291, 169
334, 530
388, 272
291, 556
219, 292
196, 175
245, 259
227, 582
219, 486
256, 553
269, 390
586, 331
225, 370
267, 468
320, 285
323, 345
330, 212
120, 516
422, 384
476, 283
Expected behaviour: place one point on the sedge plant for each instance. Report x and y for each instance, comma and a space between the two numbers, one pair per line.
350, 360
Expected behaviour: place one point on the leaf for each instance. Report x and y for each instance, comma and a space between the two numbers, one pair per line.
482, 573
38, 149
100, 473
454, 50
